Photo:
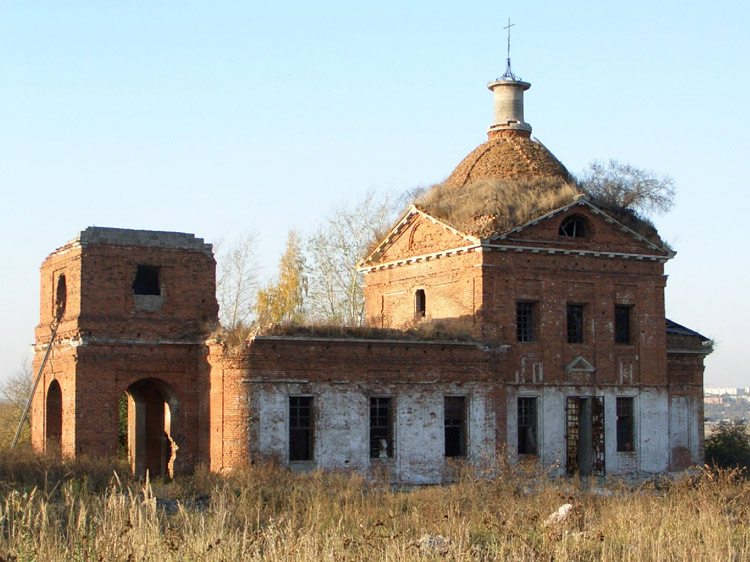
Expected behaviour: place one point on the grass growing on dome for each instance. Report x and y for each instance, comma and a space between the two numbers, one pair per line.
491, 205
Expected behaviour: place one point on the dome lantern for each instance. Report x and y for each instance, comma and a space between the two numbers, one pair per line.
508, 90
508, 108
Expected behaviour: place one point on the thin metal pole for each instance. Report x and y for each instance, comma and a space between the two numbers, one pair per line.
36, 382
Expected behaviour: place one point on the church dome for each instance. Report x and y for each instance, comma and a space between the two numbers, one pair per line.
505, 181
512, 156
509, 153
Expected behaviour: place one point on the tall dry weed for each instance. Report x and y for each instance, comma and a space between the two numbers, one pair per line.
268, 513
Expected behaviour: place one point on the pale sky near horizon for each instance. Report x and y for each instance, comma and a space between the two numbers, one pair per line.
217, 118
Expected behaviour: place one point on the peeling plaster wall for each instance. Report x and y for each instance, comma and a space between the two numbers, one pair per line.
651, 426
341, 426
652, 434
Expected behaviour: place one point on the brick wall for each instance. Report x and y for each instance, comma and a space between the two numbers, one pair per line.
478, 291
108, 340
244, 382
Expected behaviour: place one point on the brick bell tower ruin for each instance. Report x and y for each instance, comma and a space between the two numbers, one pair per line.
131, 307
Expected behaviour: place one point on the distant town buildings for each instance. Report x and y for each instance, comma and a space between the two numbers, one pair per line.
726, 391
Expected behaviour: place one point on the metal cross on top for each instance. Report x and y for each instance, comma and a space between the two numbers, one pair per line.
508, 72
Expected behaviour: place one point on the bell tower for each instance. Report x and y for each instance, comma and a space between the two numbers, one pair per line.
127, 364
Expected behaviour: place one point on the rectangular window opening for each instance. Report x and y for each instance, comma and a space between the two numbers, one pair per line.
300, 428
381, 427
622, 323
455, 426
575, 323
147, 280
525, 321
625, 425
527, 426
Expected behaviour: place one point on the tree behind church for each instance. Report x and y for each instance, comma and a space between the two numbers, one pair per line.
340, 241
236, 279
281, 300
624, 186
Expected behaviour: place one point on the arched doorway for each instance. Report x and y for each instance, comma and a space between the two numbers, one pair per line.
53, 431
151, 408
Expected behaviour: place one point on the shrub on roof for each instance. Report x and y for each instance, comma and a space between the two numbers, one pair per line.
495, 205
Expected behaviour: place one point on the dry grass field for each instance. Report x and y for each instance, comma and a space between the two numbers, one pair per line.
87, 510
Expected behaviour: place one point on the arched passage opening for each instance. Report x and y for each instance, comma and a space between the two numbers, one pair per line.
148, 409
53, 430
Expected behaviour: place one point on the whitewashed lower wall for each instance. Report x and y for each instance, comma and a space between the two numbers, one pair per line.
652, 426
341, 427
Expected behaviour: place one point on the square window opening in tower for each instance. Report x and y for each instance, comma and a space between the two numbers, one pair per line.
147, 280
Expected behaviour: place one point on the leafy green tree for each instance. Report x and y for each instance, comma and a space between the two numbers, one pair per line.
729, 446
282, 300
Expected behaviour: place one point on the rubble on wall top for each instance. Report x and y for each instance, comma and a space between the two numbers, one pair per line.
97, 235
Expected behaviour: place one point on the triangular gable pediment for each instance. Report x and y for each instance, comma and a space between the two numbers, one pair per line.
544, 228
417, 233
579, 365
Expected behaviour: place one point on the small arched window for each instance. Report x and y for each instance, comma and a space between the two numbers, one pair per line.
61, 297
574, 226
420, 304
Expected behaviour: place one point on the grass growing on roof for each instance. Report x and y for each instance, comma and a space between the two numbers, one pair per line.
488, 206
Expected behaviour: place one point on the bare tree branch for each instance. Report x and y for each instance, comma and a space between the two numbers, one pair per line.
237, 279
622, 185
335, 286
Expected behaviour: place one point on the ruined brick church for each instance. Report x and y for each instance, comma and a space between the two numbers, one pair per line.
560, 354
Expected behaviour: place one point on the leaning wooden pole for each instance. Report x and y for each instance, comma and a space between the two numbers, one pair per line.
53, 327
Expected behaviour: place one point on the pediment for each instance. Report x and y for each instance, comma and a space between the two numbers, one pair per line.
579, 365
601, 232
417, 234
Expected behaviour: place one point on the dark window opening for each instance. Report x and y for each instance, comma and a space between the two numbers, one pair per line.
574, 227
300, 428
455, 426
622, 324
420, 304
527, 426
147, 281
525, 321
381, 427
61, 297
625, 425
575, 323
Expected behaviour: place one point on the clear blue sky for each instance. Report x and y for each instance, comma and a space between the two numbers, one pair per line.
220, 117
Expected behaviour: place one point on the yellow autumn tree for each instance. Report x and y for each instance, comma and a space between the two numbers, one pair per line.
281, 301
14, 392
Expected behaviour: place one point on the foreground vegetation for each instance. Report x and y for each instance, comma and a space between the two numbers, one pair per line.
51, 510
